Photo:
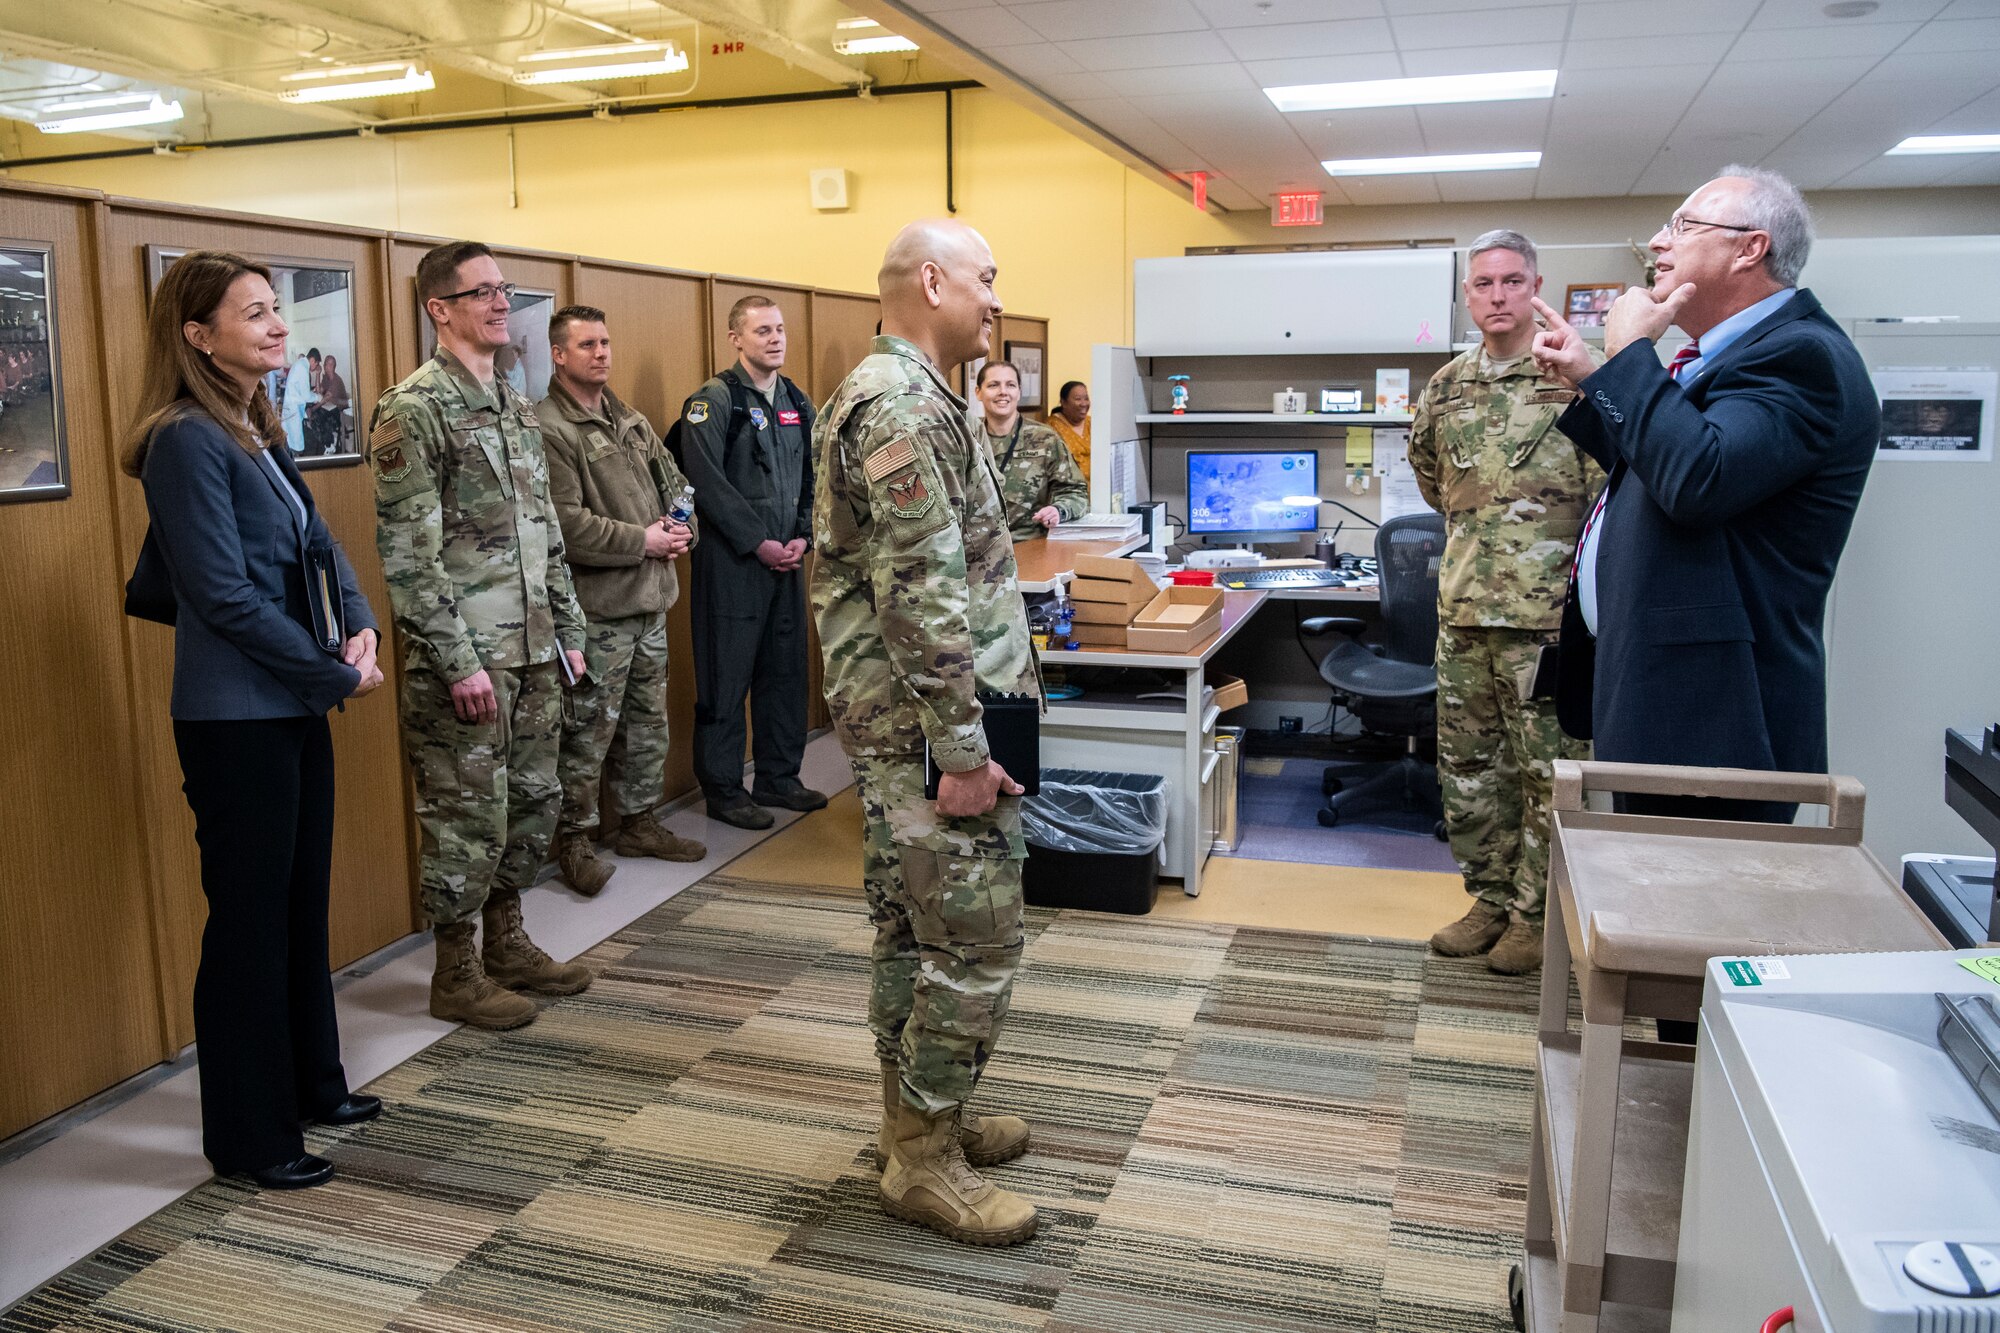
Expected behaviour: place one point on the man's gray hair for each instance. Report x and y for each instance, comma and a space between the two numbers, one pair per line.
1502, 239
1774, 205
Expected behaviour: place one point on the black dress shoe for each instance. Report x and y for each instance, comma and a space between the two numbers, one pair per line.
298, 1174
793, 796
357, 1108
741, 812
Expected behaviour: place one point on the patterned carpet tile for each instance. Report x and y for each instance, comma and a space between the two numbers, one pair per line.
1238, 1130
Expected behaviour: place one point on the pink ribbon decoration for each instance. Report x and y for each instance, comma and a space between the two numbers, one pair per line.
1424, 333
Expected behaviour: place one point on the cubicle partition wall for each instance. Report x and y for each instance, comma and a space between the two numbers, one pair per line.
101, 908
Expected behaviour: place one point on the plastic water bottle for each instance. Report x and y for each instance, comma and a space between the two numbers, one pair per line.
1061, 618
682, 509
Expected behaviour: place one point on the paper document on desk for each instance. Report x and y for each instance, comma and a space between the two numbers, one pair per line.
1098, 528
1400, 495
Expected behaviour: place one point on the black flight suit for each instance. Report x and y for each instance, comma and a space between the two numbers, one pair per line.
753, 483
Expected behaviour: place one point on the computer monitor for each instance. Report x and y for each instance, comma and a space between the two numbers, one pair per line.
1252, 491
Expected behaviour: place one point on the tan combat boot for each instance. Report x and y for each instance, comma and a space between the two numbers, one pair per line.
929, 1182
988, 1140
460, 990
1519, 951
582, 868
1475, 932
513, 960
645, 835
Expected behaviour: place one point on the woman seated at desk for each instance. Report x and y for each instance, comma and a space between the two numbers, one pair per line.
1039, 482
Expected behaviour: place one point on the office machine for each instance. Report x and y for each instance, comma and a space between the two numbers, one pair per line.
1154, 514
1252, 491
1956, 892
1844, 1149
1341, 398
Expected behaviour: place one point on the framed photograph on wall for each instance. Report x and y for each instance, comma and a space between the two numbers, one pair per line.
315, 393
34, 449
525, 360
1027, 358
972, 369
1585, 303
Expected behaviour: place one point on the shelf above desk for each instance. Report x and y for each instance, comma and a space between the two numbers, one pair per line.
1274, 418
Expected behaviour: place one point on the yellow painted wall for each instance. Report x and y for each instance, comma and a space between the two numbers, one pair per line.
726, 191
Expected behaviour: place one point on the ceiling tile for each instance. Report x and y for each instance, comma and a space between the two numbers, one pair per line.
1955, 35
1389, 131
1645, 18
1482, 59
1897, 173
1324, 69
1374, 191
1400, 7
1980, 116
942, 6
1812, 14
1855, 39
1508, 27
1225, 190
1769, 97
1974, 69
992, 26
1972, 9
1033, 61
1076, 20
1154, 51
1471, 187
1983, 169
1641, 52
1491, 127
1289, 40
1188, 79
1227, 14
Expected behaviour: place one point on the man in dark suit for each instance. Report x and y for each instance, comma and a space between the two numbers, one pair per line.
1693, 630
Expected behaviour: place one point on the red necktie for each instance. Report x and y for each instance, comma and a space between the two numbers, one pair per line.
1692, 352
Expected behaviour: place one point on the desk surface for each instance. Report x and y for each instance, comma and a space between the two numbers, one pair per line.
1040, 563
1237, 607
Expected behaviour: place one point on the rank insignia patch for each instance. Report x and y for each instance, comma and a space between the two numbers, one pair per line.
758, 418
698, 411
908, 496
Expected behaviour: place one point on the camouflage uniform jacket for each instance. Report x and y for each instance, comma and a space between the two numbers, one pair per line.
470, 545
605, 499
914, 587
1514, 490
1035, 469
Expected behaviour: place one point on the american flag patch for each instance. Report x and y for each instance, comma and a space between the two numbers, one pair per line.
891, 458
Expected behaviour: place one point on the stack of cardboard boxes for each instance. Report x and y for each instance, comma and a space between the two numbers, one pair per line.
1116, 605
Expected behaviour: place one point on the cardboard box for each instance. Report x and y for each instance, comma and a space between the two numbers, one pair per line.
1230, 691
1104, 567
1098, 636
1103, 613
1128, 595
1179, 620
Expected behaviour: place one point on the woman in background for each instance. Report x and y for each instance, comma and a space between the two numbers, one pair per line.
1071, 420
1039, 484
233, 532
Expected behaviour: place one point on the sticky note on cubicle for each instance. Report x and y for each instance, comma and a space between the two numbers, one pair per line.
1986, 966
1360, 448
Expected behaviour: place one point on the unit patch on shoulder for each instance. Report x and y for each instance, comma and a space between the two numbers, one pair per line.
697, 411
385, 449
909, 497
896, 456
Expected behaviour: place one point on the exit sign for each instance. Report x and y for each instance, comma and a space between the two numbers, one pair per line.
1297, 209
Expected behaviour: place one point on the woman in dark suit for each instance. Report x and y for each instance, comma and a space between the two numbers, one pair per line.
234, 532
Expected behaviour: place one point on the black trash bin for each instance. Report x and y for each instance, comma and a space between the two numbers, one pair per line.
1094, 840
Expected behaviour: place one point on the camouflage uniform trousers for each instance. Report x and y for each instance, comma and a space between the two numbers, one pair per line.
617, 724
944, 895
1495, 752
487, 795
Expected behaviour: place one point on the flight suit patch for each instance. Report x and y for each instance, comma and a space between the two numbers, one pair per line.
697, 411
758, 418
908, 496
788, 418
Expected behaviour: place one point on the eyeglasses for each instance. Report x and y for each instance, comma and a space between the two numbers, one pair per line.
483, 293
1677, 226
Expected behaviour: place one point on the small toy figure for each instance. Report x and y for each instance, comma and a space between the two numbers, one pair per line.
1180, 383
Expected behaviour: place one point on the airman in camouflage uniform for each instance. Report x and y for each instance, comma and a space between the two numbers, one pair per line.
603, 456
1040, 484
917, 610
1514, 492
473, 558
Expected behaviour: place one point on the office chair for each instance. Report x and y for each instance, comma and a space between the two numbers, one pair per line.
1391, 687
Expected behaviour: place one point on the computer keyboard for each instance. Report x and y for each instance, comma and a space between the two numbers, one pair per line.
1283, 578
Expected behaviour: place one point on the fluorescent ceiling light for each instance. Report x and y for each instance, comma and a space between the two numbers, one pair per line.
866, 37
1514, 86
1947, 143
343, 83
1405, 166
154, 112
588, 64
